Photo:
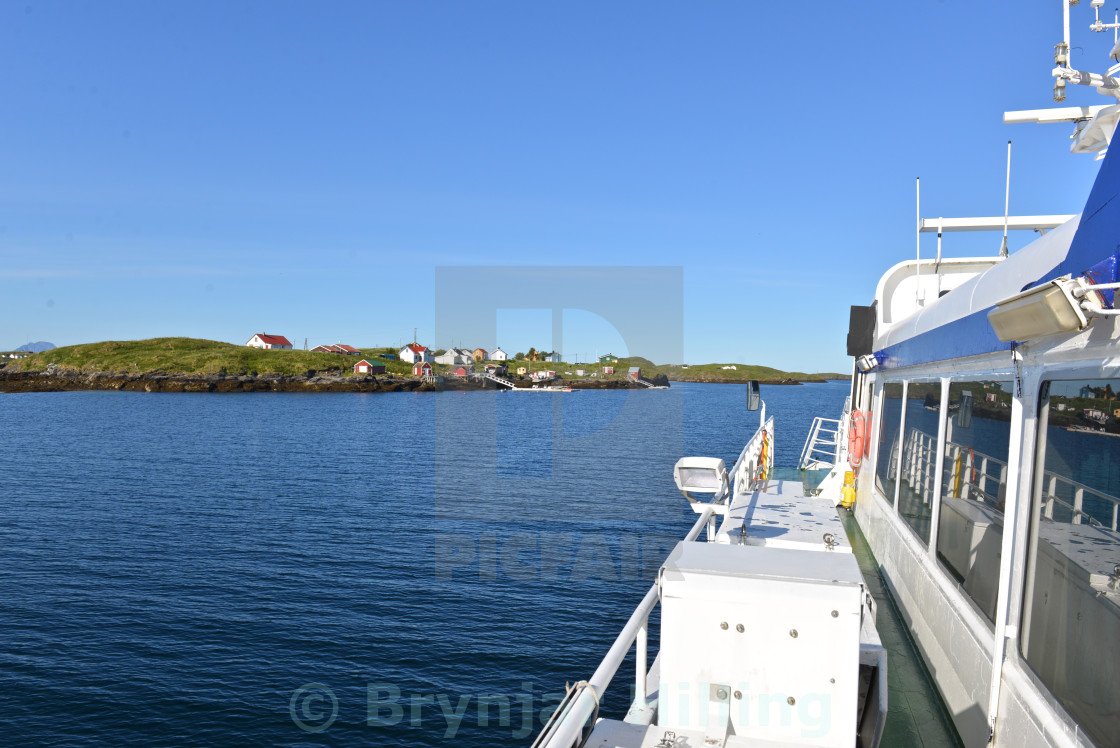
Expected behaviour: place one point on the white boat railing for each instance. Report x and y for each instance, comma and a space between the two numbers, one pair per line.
971, 475
756, 461
822, 447
919, 463
981, 477
1050, 497
565, 728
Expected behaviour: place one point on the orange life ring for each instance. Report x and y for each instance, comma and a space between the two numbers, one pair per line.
857, 438
867, 432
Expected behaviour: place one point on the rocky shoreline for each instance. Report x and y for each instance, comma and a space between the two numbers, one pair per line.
65, 380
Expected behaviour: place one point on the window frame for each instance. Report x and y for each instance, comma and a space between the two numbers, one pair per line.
1028, 520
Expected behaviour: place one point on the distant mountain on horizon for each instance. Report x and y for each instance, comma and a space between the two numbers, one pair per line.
37, 347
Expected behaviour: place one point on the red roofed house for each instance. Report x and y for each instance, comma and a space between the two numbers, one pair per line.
339, 348
423, 369
365, 367
480, 354
413, 354
264, 340
462, 371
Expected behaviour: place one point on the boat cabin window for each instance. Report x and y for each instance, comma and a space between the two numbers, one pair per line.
1071, 597
974, 485
889, 424
917, 487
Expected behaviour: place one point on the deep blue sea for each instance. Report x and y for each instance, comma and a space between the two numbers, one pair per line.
329, 569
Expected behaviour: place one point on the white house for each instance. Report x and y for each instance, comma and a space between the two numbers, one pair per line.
413, 353
499, 355
264, 340
1096, 415
454, 357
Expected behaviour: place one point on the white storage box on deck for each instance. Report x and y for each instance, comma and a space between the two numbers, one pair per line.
761, 642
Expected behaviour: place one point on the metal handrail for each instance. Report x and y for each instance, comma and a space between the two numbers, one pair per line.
815, 444
1050, 496
750, 466
496, 378
564, 728
919, 460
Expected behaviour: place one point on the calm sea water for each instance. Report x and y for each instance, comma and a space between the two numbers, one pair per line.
384, 570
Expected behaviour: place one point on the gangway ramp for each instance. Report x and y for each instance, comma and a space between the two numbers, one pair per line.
502, 381
650, 384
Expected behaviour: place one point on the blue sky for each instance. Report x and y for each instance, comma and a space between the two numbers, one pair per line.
220, 169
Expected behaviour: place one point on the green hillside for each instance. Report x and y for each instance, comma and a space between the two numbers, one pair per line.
191, 355
194, 356
706, 372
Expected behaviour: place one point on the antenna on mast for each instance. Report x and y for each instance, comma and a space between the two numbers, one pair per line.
918, 238
1006, 203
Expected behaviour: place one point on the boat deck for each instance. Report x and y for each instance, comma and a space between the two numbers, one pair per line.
916, 715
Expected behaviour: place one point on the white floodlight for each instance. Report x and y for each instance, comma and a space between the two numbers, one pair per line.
1047, 309
701, 475
866, 363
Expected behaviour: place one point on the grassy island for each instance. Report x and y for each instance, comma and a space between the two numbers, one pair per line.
192, 356
195, 356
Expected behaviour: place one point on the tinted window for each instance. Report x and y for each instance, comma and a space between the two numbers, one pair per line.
974, 486
919, 457
888, 439
1071, 606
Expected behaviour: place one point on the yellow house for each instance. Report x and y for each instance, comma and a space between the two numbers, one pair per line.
521, 371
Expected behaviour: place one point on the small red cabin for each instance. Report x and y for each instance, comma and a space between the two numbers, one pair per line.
365, 367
